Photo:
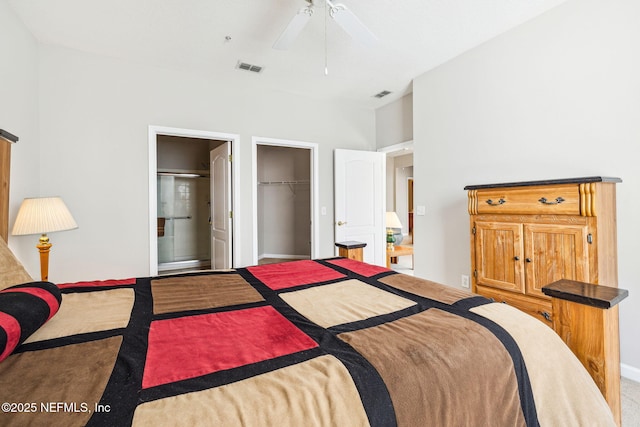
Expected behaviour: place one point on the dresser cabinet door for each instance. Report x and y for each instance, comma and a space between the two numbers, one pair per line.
553, 252
498, 254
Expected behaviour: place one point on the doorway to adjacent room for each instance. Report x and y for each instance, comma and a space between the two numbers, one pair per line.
400, 199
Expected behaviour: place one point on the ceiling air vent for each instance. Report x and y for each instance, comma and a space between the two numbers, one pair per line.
382, 94
249, 67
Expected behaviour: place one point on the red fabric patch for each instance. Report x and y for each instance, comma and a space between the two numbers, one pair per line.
188, 347
43, 294
98, 283
361, 268
295, 273
12, 328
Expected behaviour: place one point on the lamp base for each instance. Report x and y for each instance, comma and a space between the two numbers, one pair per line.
44, 247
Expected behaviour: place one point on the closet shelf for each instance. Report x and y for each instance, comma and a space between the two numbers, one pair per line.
182, 173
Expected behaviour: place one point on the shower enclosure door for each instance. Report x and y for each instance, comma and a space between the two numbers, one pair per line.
183, 229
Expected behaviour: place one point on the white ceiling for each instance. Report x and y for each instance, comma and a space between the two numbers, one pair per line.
414, 36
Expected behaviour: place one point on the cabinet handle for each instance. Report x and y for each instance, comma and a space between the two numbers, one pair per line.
516, 258
498, 203
528, 259
544, 201
545, 314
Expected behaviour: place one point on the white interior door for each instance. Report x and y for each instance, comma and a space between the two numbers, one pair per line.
359, 180
220, 206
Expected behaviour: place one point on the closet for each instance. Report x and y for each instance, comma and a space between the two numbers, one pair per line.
283, 203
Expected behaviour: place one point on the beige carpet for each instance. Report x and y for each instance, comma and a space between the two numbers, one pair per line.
630, 391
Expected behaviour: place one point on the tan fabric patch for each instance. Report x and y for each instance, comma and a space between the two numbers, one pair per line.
75, 375
85, 312
442, 370
426, 288
563, 391
319, 392
201, 292
344, 302
11, 270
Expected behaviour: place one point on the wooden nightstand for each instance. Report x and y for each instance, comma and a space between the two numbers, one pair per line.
351, 250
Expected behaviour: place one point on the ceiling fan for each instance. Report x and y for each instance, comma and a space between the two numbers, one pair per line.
338, 12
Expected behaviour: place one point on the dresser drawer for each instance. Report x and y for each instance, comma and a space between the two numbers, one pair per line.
538, 308
535, 200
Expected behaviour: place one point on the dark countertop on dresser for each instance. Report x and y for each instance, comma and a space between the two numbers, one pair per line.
581, 180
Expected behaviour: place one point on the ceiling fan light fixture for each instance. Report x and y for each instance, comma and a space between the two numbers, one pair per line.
338, 12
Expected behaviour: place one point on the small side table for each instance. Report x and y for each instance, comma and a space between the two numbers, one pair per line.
399, 251
586, 318
351, 249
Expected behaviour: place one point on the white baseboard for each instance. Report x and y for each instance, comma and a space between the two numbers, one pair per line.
630, 372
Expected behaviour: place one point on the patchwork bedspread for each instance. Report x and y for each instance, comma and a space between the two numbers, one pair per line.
330, 342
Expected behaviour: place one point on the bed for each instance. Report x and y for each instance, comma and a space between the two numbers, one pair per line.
329, 342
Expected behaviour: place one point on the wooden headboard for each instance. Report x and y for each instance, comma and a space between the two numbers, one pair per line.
6, 139
5, 167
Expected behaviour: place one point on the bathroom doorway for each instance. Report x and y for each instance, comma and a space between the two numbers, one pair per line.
190, 201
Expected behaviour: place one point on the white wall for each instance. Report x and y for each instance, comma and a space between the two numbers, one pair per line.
556, 97
394, 122
394, 125
94, 117
19, 116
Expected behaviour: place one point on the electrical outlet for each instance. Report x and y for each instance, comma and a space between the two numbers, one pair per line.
464, 281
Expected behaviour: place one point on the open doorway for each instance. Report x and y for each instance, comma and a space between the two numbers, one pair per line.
400, 199
190, 200
285, 196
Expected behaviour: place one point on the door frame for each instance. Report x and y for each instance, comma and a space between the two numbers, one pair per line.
315, 198
397, 150
154, 131
372, 233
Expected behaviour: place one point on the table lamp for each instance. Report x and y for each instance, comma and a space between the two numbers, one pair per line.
42, 215
392, 222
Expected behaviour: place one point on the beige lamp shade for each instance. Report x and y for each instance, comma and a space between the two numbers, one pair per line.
43, 215
393, 221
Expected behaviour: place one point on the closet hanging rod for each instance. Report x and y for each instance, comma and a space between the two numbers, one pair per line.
169, 218
283, 182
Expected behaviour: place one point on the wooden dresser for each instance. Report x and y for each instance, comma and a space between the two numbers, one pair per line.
526, 235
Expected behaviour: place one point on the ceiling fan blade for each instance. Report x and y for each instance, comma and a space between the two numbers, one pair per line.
351, 24
290, 34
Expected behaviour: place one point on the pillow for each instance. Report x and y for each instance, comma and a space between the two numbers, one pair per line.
23, 310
